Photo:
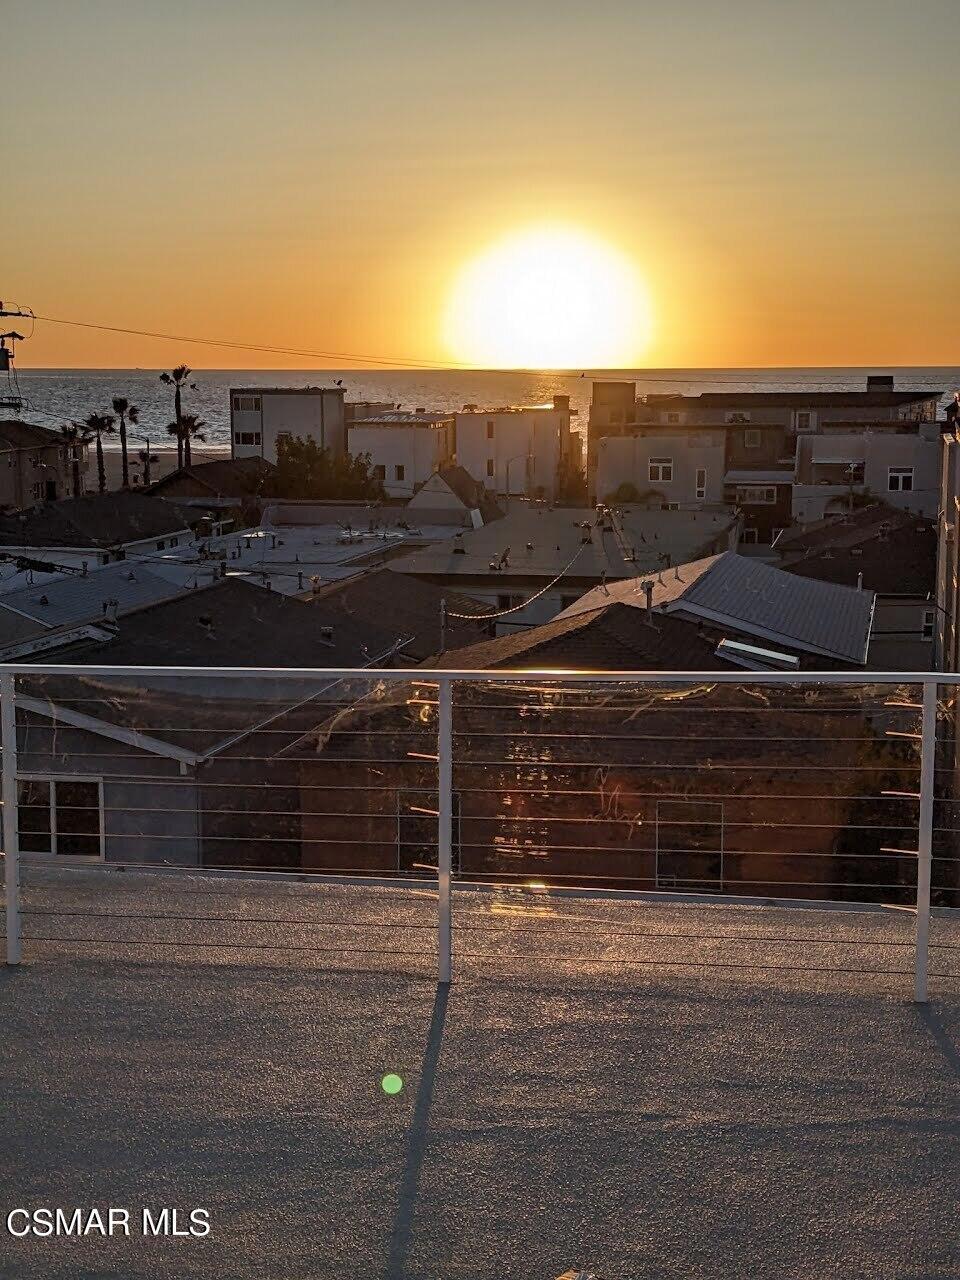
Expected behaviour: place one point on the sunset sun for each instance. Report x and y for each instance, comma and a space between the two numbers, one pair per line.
548, 298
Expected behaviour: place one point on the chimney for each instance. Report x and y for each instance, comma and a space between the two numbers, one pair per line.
326, 634
561, 402
879, 382
648, 592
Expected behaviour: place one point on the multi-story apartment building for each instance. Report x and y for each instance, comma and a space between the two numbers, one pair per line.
405, 448
260, 416
517, 451
36, 465
676, 468
776, 446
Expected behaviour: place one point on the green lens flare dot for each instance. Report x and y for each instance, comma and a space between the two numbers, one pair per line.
391, 1084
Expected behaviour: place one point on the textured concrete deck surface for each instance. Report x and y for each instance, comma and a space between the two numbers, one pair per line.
646, 1106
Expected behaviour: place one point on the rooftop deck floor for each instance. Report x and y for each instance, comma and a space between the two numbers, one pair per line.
648, 1107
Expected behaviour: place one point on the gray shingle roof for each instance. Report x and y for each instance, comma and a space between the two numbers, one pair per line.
758, 599
80, 598
94, 520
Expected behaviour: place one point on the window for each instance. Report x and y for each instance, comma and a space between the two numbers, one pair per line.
398, 472
489, 430
701, 482
750, 537
246, 437
673, 419
59, 816
161, 544
174, 541
380, 473
236, 437
736, 415
509, 601
928, 621
661, 469
248, 404
37, 491
756, 495
669, 506
236, 402
804, 420
489, 466
256, 437
900, 479
752, 439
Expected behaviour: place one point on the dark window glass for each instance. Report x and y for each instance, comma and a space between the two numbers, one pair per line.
33, 802
78, 818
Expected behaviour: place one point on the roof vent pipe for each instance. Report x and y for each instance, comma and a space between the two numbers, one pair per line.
648, 592
860, 581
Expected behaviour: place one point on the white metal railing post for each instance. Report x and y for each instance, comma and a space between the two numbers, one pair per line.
928, 748
11, 836
444, 825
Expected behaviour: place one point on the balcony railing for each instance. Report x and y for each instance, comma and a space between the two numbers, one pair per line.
830, 787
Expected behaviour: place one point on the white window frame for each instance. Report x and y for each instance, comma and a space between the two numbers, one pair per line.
750, 537
53, 779
660, 470
701, 482
399, 473
811, 423
899, 474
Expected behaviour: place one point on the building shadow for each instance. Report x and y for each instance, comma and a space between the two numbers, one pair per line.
417, 1141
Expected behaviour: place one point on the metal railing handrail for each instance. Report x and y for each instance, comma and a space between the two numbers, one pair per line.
444, 680
854, 676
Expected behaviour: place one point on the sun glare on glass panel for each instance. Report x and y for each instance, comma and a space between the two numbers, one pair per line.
549, 298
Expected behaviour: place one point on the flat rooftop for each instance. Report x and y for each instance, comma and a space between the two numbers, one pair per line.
644, 1088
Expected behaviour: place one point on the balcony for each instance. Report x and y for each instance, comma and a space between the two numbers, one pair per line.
684, 926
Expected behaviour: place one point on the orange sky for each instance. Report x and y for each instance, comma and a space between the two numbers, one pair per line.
314, 174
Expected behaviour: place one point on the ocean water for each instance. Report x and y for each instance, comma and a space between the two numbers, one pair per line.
54, 396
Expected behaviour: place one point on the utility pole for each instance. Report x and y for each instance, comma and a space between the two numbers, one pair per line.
10, 398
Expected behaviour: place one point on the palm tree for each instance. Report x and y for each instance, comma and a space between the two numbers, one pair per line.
100, 425
146, 457
178, 380
191, 427
77, 437
176, 429
126, 412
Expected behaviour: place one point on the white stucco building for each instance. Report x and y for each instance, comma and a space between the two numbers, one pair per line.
900, 468
682, 469
405, 448
259, 416
516, 451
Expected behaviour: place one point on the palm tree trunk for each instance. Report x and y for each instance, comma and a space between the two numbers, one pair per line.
76, 472
101, 472
123, 453
179, 450
186, 449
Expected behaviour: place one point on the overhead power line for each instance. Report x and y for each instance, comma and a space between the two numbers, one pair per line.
412, 362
